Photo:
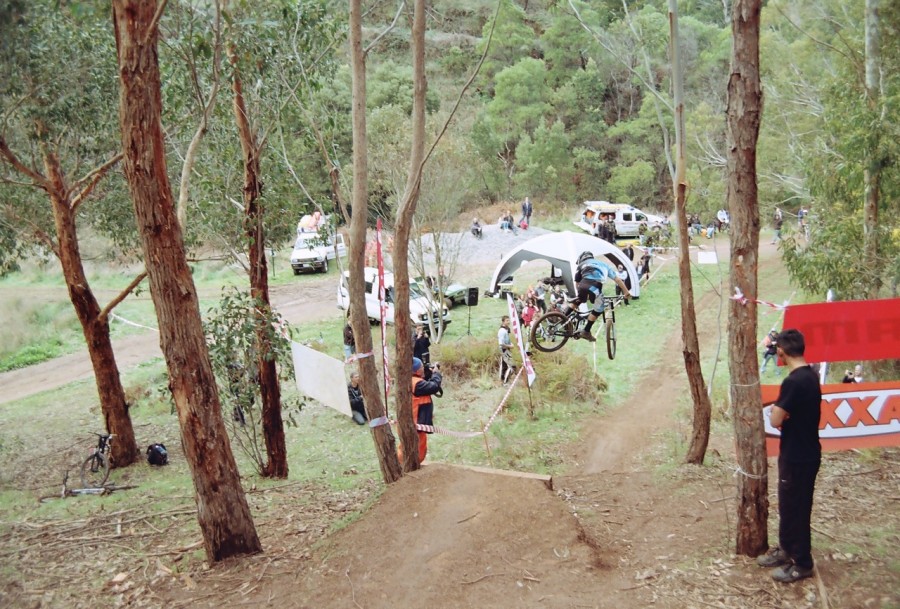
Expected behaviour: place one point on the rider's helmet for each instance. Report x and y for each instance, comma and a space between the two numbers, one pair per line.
584, 256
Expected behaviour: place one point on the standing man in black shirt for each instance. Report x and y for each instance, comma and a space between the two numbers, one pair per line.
796, 413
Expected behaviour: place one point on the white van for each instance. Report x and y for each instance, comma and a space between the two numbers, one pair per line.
626, 217
312, 251
419, 305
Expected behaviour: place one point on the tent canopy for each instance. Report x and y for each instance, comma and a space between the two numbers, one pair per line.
562, 250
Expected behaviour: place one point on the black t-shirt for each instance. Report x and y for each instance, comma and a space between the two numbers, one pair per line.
801, 398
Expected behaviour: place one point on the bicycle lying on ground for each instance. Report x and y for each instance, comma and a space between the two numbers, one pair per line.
95, 469
552, 330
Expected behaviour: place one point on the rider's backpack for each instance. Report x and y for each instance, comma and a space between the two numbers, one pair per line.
157, 454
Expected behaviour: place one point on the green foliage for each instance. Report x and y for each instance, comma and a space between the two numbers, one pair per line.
545, 165
520, 100
513, 39
457, 61
392, 85
232, 335
58, 91
633, 183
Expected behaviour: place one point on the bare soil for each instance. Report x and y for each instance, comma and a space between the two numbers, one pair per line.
623, 528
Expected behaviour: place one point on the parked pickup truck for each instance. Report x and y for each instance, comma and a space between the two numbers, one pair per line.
313, 250
419, 306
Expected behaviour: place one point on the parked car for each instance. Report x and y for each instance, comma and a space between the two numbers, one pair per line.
454, 294
312, 251
420, 307
626, 218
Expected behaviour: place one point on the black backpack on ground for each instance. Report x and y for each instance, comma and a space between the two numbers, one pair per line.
157, 454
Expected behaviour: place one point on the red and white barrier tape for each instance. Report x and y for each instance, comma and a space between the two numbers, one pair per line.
357, 356
739, 297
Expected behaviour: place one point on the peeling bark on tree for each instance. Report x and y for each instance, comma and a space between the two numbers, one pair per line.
94, 324
385, 445
222, 509
270, 391
742, 131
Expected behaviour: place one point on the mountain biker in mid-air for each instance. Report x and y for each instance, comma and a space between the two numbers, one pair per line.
589, 277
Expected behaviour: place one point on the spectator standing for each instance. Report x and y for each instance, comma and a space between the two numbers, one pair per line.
644, 267
349, 340
629, 251
796, 413
505, 345
770, 350
779, 221
642, 233
527, 208
529, 313
357, 406
422, 404
540, 294
422, 344
622, 274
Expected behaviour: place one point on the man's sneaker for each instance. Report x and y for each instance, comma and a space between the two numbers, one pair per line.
775, 557
586, 335
788, 574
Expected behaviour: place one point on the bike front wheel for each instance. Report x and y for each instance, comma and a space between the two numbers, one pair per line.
95, 471
611, 338
550, 332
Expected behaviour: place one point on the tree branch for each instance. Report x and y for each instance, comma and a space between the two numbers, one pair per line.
154, 25
191, 154
850, 58
92, 178
608, 48
387, 30
39, 180
122, 295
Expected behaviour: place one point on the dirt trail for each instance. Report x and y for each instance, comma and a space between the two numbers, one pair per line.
310, 301
452, 537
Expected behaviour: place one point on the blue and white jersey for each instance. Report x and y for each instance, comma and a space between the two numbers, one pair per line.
594, 270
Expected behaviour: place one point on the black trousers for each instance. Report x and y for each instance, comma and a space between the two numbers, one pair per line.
796, 484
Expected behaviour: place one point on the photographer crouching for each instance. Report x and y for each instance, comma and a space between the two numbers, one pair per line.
426, 382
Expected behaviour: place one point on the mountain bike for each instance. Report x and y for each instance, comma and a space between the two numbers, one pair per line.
553, 330
95, 469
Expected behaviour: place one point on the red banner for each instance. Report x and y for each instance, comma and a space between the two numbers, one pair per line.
854, 415
850, 330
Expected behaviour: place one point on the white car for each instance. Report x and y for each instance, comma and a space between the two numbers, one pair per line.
312, 251
627, 219
419, 306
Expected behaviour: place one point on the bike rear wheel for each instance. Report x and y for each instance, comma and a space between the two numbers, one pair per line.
550, 332
95, 471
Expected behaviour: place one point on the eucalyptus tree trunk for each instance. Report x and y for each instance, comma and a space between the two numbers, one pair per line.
222, 510
94, 321
872, 169
385, 445
742, 132
403, 228
270, 392
691, 345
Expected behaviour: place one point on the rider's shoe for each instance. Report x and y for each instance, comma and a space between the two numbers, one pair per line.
586, 336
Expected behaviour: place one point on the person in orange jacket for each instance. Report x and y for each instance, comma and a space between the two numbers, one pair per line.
422, 406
